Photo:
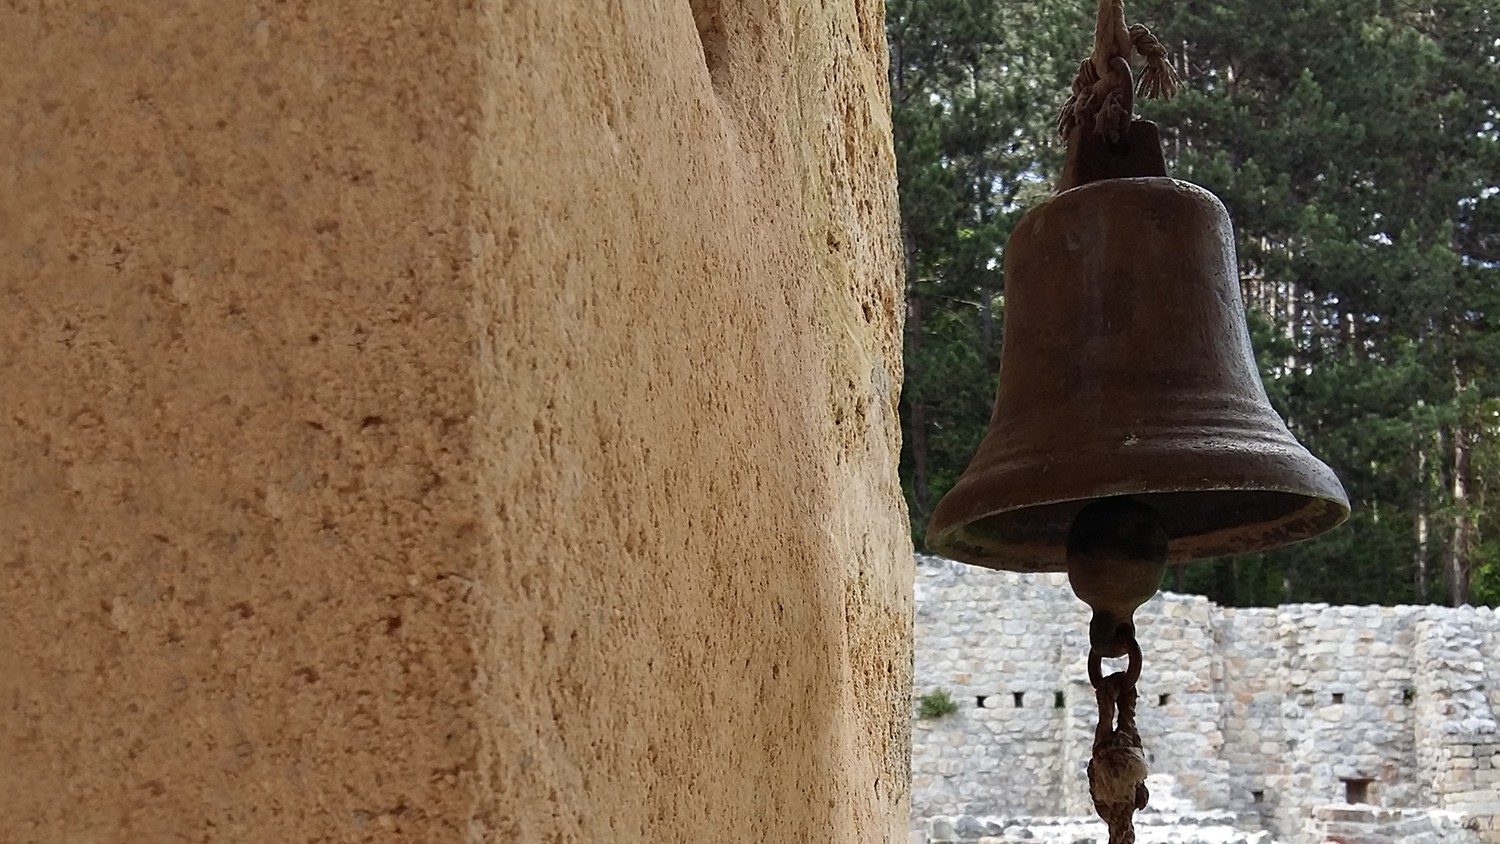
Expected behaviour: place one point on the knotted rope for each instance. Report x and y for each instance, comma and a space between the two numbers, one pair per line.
1117, 771
1159, 81
1104, 91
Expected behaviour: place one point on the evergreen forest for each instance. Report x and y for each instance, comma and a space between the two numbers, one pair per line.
1356, 145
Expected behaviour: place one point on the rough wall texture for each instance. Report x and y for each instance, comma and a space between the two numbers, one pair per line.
1262, 715
466, 420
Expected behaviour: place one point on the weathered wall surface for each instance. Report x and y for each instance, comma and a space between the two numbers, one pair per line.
450, 421
1260, 715
987, 637
693, 435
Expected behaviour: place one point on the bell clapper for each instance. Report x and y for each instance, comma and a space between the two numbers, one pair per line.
1117, 556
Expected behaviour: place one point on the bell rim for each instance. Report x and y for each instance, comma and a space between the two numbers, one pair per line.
1321, 511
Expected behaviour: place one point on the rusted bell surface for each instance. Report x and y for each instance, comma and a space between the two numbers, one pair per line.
1127, 371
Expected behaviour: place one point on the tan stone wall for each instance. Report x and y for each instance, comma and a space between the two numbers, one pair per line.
450, 421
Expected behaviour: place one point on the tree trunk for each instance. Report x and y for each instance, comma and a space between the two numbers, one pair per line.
1226, 576
920, 472
1420, 556
920, 488
1459, 562
1292, 319
1423, 539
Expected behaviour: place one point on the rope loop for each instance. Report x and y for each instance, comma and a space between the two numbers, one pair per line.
1132, 670
1104, 91
1117, 770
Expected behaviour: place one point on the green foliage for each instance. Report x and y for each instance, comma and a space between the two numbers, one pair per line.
935, 705
974, 99
1355, 144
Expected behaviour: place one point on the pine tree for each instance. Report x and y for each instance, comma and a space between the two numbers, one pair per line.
1355, 143
974, 90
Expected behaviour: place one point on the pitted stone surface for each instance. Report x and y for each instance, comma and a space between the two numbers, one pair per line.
1260, 713
455, 420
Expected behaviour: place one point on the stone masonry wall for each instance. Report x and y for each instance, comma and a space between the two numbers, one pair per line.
1012, 651
1346, 677
467, 420
1459, 736
1254, 732
1264, 713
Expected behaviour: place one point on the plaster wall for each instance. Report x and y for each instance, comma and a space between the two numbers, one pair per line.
450, 421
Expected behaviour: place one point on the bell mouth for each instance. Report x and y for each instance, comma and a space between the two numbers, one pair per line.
1200, 524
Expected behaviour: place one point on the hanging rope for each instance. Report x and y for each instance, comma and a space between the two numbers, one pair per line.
1117, 770
1104, 91
1128, 533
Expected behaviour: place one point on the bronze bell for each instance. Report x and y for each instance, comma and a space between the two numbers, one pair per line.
1127, 371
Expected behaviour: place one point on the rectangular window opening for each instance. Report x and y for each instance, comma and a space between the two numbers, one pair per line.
1019, 697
